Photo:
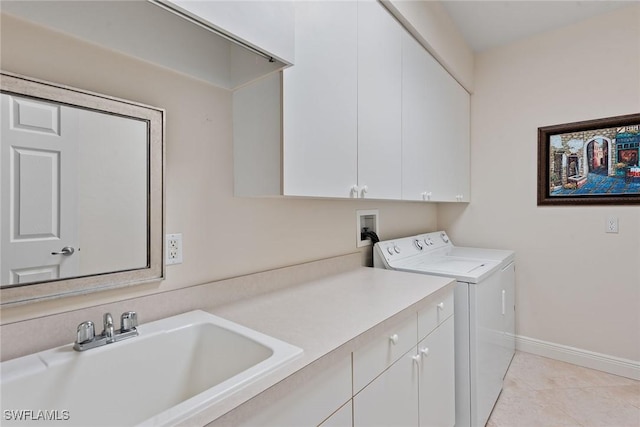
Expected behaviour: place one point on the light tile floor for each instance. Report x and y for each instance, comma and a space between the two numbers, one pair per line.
542, 392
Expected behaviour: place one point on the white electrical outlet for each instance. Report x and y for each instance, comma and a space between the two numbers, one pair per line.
612, 224
173, 249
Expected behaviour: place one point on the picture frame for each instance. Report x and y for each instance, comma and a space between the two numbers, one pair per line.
593, 162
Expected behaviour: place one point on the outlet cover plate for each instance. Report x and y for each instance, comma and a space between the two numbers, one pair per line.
612, 224
173, 249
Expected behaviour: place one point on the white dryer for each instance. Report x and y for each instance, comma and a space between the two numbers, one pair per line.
484, 316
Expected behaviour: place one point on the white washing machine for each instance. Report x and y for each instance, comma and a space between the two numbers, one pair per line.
484, 313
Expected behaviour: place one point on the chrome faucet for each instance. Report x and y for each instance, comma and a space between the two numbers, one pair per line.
86, 337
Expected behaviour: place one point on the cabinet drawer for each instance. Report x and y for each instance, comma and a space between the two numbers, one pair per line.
435, 313
376, 356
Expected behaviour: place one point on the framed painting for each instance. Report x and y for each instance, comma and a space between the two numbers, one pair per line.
594, 162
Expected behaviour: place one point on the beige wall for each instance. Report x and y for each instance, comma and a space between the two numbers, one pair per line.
576, 285
223, 236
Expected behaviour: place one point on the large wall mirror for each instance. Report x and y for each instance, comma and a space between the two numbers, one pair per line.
81, 191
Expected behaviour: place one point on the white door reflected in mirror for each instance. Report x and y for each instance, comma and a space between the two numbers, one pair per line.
73, 192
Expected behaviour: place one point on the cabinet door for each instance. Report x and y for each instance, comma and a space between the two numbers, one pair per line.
421, 138
437, 377
453, 181
462, 156
435, 129
392, 398
379, 102
343, 417
320, 102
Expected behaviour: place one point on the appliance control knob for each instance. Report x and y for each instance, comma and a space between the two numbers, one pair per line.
444, 237
418, 244
396, 248
390, 250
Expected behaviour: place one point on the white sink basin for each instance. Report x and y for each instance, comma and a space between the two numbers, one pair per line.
175, 367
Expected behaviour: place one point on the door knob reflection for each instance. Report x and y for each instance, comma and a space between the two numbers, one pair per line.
66, 251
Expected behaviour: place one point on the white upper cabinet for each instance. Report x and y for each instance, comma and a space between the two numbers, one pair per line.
264, 25
342, 102
435, 129
379, 102
367, 112
419, 112
460, 139
320, 102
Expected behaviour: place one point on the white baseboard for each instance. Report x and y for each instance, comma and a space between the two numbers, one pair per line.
588, 359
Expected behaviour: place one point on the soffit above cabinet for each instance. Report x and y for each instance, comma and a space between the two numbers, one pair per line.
150, 33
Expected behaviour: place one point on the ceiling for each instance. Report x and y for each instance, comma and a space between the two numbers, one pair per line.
487, 24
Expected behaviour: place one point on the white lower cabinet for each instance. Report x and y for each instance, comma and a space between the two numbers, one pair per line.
392, 398
437, 377
343, 417
404, 376
417, 388
381, 352
310, 404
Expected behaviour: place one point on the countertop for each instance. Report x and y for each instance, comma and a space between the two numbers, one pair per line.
328, 318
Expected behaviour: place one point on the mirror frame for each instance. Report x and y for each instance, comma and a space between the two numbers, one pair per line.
12, 83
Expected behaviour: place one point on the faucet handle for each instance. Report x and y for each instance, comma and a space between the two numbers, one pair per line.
86, 332
128, 321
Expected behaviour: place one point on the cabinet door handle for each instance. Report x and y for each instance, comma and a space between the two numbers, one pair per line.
416, 359
354, 191
424, 351
441, 306
394, 339
504, 302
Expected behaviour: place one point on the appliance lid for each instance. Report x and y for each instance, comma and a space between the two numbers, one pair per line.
462, 269
434, 253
